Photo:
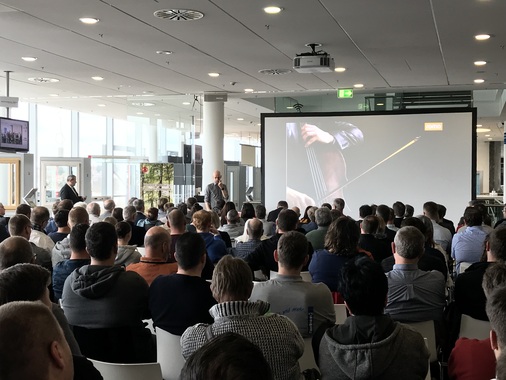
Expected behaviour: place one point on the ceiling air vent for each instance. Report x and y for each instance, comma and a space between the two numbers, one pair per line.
179, 14
275, 71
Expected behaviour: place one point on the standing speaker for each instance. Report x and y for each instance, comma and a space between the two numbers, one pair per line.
187, 154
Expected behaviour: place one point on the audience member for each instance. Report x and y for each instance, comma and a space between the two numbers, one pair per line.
78, 258
247, 212
127, 254
254, 231
93, 209
442, 235
441, 210
24, 209
109, 206
410, 211
117, 213
61, 250
176, 223
289, 295
215, 246
61, 220
139, 211
379, 248
32, 345
162, 201
413, 295
228, 356
39, 219
323, 218
363, 211
15, 250
369, 344
339, 204
129, 215
154, 262
312, 220
224, 211
233, 227
468, 246
383, 212
51, 226
92, 291
150, 220
399, 211
273, 215
180, 300
231, 286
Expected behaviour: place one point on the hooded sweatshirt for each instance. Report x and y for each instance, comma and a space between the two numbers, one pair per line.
373, 347
96, 296
127, 254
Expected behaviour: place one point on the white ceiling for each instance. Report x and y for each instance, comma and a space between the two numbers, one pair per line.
390, 46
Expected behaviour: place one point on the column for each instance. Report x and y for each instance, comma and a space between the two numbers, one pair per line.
212, 140
153, 141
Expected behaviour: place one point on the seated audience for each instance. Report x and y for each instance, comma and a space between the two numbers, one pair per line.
39, 219
468, 246
399, 211
384, 232
275, 335
216, 248
176, 222
61, 250
312, 220
92, 291
441, 210
129, 215
61, 220
156, 253
24, 209
109, 206
180, 300
15, 250
273, 215
380, 249
254, 230
247, 212
93, 209
151, 220
410, 211
32, 345
232, 227
117, 213
413, 295
138, 204
268, 227
341, 244
442, 235
127, 254
229, 356
78, 257
369, 344
323, 219
307, 305
20, 226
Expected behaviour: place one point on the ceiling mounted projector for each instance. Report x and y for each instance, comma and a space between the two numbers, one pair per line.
314, 61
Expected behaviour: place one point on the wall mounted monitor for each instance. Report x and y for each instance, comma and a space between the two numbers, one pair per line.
14, 135
366, 158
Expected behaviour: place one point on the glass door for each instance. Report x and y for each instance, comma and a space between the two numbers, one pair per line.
54, 176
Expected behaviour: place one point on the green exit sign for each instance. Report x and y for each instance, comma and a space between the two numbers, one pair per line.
345, 93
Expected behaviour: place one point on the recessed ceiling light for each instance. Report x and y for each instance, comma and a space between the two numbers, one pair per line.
480, 63
490, 138
240, 119
214, 75
248, 90
140, 113
487, 135
340, 69
29, 59
482, 130
157, 114
479, 125
186, 103
482, 37
358, 85
479, 80
54, 95
272, 10
380, 104
89, 20
166, 52
143, 104
97, 78
100, 105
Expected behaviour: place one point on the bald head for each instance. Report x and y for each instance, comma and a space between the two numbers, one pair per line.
29, 331
15, 250
255, 229
40, 215
177, 222
216, 176
78, 215
157, 243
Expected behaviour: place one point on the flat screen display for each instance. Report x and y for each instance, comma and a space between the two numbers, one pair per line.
14, 135
366, 158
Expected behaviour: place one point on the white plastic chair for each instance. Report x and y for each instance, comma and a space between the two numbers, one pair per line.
426, 329
168, 349
341, 314
307, 359
463, 266
306, 276
149, 325
115, 371
473, 328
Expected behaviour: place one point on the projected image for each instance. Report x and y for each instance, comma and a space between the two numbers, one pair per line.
309, 159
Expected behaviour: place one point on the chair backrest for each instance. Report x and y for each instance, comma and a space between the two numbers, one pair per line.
463, 266
169, 354
273, 275
115, 371
307, 359
473, 328
341, 313
427, 330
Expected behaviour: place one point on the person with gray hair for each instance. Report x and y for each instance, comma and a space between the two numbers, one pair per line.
32, 345
39, 219
138, 233
93, 209
413, 295
323, 218
233, 226
254, 231
231, 285
109, 206
68, 190
289, 295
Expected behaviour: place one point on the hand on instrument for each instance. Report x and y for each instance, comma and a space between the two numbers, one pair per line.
311, 133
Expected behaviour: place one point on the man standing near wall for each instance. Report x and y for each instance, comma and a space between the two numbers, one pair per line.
215, 191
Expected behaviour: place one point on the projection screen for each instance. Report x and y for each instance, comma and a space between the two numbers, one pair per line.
365, 158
